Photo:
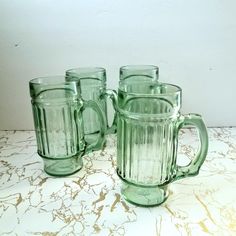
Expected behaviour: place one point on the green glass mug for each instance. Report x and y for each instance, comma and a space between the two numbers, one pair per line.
147, 141
57, 111
134, 78
93, 87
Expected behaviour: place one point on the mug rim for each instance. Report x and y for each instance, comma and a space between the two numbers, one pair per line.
51, 80
178, 89
54, 82
83, 72
140, 67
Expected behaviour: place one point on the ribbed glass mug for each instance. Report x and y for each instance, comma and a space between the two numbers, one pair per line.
147, 140
93, 87
134, 77
57, 110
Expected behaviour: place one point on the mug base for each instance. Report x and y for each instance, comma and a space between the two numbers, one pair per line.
144, 196
63, 167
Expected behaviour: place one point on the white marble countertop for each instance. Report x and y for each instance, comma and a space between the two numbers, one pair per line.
89, 202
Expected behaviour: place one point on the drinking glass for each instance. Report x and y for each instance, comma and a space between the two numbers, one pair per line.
57, 111
93, 87
147, 140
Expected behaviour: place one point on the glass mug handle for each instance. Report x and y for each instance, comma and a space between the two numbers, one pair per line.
93, 105
194, 166
113, 96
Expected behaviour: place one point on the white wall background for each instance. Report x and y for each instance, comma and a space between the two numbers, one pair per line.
192, 41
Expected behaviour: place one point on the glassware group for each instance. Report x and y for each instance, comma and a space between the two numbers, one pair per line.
70, 118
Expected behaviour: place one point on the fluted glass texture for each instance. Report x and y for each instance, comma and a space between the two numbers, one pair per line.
57, 128
146, 139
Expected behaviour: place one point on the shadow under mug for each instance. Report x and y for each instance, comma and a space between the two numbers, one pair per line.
93, 87
147, 142
57, 111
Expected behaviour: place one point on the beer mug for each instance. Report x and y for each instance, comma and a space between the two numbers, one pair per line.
93, 87
57, 111
147, 140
